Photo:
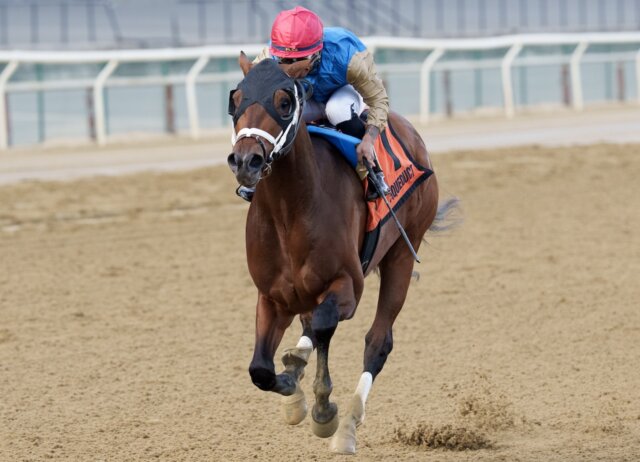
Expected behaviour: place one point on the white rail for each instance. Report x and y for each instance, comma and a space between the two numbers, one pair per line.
200, 56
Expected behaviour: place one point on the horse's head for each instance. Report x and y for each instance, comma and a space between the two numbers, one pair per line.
266, 108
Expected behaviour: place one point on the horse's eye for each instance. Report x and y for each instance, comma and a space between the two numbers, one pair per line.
232, 104
285, 108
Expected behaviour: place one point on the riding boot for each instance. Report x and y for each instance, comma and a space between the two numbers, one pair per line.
245, 192
378, 179
355, 126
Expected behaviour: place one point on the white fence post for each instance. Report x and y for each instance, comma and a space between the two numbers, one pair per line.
576, 76
190, 91
638, 76
507, 84
98, 101
425, 83
6, 74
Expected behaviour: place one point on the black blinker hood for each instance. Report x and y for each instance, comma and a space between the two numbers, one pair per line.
259, 86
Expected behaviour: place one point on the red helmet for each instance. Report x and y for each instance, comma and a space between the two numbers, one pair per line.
296, 33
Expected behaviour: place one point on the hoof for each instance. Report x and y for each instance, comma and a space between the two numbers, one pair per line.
294, 407
344, 440
295, 360
325, 430
262, 377
291, 355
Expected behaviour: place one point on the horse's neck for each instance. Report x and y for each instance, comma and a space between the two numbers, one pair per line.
295, 180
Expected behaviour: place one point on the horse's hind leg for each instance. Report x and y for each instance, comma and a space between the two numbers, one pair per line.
294, 407
395, 274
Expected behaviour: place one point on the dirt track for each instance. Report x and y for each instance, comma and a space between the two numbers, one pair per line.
126, 320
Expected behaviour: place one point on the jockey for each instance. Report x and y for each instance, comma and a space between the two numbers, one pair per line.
344, 81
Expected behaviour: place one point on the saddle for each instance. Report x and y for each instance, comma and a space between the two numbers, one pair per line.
346, 144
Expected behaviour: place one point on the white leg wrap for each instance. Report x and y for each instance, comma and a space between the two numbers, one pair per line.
344, 440
294, 407
305, 343
364, 386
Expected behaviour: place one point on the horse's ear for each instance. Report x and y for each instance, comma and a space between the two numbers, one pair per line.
244, 62
298, 69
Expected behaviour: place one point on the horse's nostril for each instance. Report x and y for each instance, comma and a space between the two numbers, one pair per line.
256, 162
233, 160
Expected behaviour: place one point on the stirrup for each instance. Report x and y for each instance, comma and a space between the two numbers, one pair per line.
245, 192
382, 184
372, 191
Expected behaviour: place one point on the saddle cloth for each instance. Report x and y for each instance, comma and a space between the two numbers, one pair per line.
402, 173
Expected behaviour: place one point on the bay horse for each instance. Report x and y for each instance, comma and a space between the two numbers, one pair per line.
304, 230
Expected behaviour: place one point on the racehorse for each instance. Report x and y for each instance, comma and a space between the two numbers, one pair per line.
304, 230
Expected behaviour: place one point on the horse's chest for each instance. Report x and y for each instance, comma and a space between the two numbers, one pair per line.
299, 288
295, 269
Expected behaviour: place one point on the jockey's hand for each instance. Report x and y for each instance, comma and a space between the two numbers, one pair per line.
365, 148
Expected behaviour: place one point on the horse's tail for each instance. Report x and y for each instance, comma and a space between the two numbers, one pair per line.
448, 216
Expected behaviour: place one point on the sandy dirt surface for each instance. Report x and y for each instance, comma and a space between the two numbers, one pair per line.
127, 317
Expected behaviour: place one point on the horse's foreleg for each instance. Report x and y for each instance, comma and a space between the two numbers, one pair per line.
302, 350
270, 327
323, 323
294, 407
395, 275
